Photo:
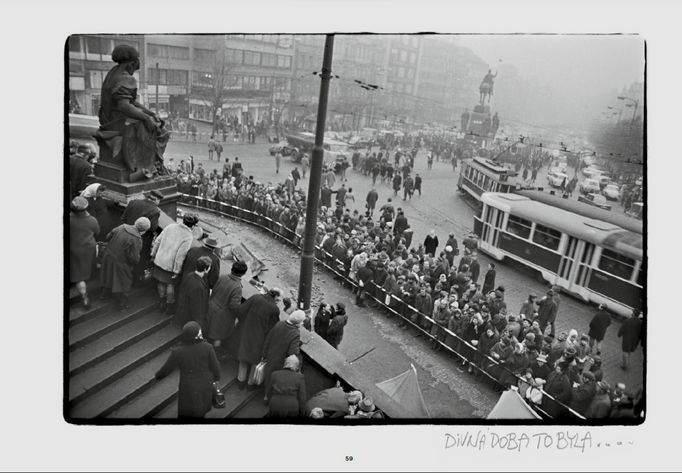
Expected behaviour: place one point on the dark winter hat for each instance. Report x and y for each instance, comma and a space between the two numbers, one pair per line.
124, 53
239, 268
189, 332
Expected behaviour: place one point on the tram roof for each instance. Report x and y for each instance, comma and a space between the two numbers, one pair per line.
602, 233
493, 166
585, 210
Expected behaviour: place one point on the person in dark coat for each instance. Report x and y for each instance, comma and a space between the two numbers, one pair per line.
193, 299
199, 369
224, 304
559, 387
208, 249
326, 196
598, 325
431, 243
82, 246
99, 207
322, 318
474, 268
286, 391
282, 341
582, 395
418, 184
372, 198
400, 224
257, 317
147, 207
489, 281
79, 170
547, 310
631, 332
336, 325
120, 257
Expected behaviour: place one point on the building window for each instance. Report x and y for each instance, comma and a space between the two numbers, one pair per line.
76, 68
95, 79
128, 42
408, 88
403, 56
269, 60
616, 264
167, 76
401, 72
234, 56
413, 58
201, 79
204, 55
251, 58
251, 82
171, 52
284, 62
519, 226
96, 45
547, 237
410, 73
75, 44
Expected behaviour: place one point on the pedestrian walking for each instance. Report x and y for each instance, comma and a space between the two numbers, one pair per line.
208, 248
283, 340
278, 161
218, 151
149, 208
193, 296
631, 333
211, 148
418, 184
397, 181
431, 243
120, 257
258, 315
168, 253
348, 198
429, 160
199, 370
305, 164
408, 186
547, 312
82, 246
372, 198
598, 325
224, 304
489, 281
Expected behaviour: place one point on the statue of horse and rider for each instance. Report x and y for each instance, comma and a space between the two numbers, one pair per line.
486, 87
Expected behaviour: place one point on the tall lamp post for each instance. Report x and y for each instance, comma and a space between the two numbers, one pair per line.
308, 253
635, 103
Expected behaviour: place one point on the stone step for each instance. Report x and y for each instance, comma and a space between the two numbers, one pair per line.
77, 314
163, 393
115, 341
256, 409
235, 399
85, 387
93, 329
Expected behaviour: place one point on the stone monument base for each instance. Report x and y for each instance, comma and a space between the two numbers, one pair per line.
114, 176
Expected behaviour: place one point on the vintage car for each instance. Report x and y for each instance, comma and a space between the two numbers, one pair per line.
611, 192
596, 200
555, 178
589, 185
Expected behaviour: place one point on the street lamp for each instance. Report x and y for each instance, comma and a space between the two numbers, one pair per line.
635, 103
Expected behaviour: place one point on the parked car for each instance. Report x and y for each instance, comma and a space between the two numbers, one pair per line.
636, 210
589, 185
596, 200
555, 178
611, 192
283, 147
592, 172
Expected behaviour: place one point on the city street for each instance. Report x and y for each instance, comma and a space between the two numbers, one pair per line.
440, 208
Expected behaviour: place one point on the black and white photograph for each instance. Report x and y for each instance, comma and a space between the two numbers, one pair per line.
356, 227
349, 240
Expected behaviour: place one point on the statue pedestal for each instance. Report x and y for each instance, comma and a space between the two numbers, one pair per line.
115, 178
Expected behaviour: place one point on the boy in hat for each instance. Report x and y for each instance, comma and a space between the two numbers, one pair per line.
210, 249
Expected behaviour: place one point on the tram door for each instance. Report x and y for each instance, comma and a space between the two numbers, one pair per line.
567, 263
583, 270
492, 223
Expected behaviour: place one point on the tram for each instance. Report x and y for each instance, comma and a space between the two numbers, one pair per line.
478, 175
593, 255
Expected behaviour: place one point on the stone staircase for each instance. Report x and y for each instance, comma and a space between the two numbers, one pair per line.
112, 358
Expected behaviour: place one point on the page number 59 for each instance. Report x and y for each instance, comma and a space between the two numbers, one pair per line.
349, 458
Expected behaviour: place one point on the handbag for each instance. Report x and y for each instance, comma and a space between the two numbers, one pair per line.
258, 374
218, 399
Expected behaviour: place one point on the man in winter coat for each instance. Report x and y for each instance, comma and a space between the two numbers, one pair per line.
120, 257
258, 315
193, 299
224, 304
547, 310
474, 267
282, 341
431, 243
168, 253
598, 325
631, 332
326, 196
489, 281
418, 184
372, 197
400, 224
408, 187
336, 325
149, 208
208, 249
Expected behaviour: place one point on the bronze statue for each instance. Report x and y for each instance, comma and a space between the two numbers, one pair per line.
129, 133
486, 87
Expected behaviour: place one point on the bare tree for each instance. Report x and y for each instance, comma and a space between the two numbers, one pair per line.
213, 90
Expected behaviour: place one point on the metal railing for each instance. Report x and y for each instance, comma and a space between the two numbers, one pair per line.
453, 343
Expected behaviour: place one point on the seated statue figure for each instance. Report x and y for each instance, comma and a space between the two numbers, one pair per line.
129, 133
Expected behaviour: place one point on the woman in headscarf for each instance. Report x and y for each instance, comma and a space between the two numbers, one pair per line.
82, 246
98, 207
282, 341
199, 369
286, 391
129, 132
515, 365
120, 257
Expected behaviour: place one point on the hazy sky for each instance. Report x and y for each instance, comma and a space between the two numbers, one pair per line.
575, 63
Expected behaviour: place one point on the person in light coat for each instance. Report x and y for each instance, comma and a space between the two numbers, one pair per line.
168, 252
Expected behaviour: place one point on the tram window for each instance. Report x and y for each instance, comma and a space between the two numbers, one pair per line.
616, 264
518, 226
640, 276
547, 237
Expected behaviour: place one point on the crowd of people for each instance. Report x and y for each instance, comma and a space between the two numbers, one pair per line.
375, 250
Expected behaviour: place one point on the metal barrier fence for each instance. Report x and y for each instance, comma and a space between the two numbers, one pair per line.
394, 305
